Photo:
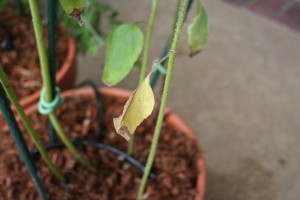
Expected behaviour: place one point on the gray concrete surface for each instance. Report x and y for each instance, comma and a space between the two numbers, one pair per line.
241, 96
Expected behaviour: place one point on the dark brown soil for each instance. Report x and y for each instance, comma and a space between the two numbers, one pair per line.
175, 163
22, 63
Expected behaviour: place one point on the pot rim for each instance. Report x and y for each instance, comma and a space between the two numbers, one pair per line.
173, 120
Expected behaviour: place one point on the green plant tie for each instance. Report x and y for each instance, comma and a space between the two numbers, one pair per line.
160, 68
48, 107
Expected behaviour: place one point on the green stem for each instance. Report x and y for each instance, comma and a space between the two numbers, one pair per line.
164, 99
47, 83
148, 40
130, 145
175, 18
37, 25
145, 58
60, 132
28, 125
91, 29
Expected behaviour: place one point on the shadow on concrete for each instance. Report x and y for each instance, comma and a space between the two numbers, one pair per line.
250, 181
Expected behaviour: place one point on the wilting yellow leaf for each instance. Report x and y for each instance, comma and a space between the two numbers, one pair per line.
137, 108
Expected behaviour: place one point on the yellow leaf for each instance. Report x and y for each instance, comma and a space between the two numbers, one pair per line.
137, 108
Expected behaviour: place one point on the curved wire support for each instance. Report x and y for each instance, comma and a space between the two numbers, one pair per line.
138, 164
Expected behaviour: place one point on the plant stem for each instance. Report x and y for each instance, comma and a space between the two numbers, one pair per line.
47, 84
148, 40
145, 58
164, 99
130, 146
37, 25
155, 75
91, 29
16, 134
28, 125
68, 143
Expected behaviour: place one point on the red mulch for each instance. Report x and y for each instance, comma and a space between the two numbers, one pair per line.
22, 63
175, 162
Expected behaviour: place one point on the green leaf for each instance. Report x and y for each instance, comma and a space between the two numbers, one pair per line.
124, 45
73, 8
137, 108
198, 30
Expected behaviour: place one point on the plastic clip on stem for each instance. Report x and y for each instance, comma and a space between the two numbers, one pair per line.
46, 107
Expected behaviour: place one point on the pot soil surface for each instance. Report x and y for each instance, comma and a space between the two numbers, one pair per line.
175, 163
21, 64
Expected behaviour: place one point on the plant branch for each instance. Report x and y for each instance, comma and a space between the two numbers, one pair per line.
47, 84
28, 125
148, 40
37, 25
156, 74
60, 132
164, 99
145, 58
91, 29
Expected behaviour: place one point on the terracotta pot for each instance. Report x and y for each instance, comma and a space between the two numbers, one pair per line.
65, 78
173, 120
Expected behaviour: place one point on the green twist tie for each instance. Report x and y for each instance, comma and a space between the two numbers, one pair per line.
161, 69
48, 107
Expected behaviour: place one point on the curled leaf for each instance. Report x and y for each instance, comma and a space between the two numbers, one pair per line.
137, 108
198, 30
124, 45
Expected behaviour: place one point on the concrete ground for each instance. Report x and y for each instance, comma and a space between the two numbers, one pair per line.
286, 12
240, 95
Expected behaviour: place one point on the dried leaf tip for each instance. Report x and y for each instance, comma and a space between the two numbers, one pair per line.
76, 14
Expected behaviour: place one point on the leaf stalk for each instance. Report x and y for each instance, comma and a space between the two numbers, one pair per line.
47, 83
145, 59
164, 99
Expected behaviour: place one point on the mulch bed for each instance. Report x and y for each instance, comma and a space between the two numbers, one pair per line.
175, 163
22, 63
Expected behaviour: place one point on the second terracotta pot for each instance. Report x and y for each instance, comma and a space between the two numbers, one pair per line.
65, 78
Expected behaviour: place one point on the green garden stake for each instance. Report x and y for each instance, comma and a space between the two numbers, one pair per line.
20, 143
20, 7
51, 13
